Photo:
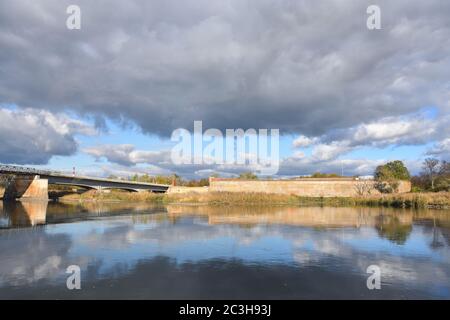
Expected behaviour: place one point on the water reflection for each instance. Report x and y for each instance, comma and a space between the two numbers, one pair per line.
147, 251
22, 213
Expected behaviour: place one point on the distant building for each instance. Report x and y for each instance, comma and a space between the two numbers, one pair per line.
365, 177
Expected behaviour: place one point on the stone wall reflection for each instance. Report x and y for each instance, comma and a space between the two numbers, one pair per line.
392, 224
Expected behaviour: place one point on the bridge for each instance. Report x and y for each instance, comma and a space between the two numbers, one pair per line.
33, 183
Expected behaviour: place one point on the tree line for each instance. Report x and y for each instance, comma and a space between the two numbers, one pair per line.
164, 179
435, 176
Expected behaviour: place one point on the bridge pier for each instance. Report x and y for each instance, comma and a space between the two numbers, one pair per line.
26, 187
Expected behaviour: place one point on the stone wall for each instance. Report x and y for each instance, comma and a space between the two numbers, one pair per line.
308, 187
181, 189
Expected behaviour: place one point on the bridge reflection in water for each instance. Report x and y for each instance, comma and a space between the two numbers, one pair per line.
16, 214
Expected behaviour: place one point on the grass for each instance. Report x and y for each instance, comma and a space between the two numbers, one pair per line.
439, 200
407, 200
114, 196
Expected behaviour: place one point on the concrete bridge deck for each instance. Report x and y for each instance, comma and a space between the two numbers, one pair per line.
33, 183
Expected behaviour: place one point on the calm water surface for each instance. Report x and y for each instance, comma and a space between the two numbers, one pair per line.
189, 252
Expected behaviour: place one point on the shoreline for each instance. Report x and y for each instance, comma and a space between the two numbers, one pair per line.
438, 200
406, 200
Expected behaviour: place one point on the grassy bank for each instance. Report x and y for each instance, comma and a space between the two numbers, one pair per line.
438, 200
407, 200
114, 196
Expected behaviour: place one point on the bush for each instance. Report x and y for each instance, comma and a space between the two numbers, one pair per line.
387, 186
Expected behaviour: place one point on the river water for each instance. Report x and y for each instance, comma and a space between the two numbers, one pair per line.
143, 251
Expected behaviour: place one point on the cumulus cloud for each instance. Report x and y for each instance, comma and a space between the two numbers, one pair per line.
293, 166
415, 129
125, 158
125, 154
441, 149
30, 136
301, 67
303, 141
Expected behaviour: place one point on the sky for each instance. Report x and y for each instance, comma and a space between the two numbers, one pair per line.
106, 98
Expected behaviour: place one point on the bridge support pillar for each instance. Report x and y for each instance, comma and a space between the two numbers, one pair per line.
26, 187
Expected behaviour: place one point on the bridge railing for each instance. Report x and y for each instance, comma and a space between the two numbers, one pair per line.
10, 169
23, 170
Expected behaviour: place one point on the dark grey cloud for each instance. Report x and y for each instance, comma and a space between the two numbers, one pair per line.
304, 67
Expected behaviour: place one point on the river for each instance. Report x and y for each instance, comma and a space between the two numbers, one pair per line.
145, 251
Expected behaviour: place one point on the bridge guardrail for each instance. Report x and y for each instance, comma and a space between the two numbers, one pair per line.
18, 169
32, 171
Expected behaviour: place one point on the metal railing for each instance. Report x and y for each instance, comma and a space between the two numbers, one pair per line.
24, 170
9, 169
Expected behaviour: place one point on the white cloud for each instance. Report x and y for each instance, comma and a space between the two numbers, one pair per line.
30, 136
293, 166
322, 152
303, 142
125, 154
442, 149
416, 129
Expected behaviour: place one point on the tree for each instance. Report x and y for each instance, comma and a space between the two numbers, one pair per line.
325, 175
430, 165
363, 187
443, 179
388, 175
444, 169
419, 183
392, 170
248, 176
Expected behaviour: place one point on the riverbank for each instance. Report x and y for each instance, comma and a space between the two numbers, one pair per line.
405, 200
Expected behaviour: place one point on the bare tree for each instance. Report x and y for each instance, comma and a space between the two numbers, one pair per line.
430, 165
364, 187
444, 168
